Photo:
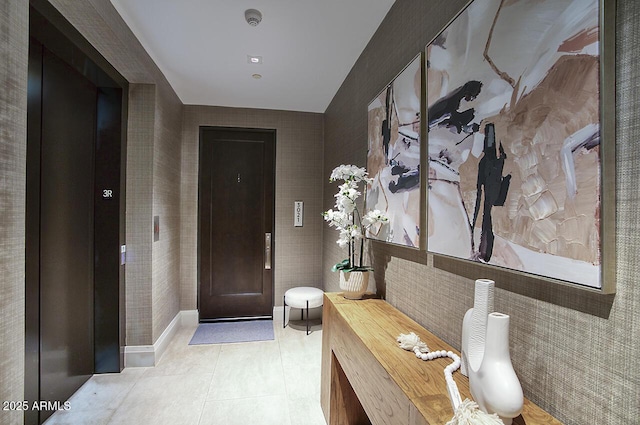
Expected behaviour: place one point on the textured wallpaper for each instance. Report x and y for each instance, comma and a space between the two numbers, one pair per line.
299, 143
14, 21
138, 271
166, 205
577, 354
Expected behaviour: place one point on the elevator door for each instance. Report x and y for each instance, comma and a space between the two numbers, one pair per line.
66, 229
60, 234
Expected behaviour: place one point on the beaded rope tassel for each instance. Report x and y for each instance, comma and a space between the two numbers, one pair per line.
466, 412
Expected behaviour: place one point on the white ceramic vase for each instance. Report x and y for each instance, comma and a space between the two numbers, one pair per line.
486, 359
354, 284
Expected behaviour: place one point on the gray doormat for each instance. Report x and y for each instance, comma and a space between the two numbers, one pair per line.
227, 332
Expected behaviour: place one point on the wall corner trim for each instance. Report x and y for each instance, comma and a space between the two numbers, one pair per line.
189, 318
149, 355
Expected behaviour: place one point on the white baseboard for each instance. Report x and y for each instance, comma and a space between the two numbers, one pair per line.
149, 355
139, 356
189, 318
277, 313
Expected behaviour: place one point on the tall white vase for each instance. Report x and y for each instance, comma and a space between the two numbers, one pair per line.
474, 325
486, 359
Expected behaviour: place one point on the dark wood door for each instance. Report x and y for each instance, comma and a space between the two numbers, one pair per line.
235, 223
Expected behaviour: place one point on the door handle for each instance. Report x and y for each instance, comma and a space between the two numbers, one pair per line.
267, 251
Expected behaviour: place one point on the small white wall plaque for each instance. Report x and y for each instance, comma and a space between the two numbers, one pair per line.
298, 212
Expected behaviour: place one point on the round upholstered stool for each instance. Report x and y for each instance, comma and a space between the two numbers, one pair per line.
302, 297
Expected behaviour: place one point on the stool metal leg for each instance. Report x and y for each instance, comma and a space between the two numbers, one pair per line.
284, 311
307, 317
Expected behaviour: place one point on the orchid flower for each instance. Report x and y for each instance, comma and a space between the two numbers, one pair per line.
347, 218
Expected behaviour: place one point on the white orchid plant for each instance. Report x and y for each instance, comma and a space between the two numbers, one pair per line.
347, 218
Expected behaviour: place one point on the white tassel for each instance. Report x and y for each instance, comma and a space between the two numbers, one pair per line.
411, 342
468, 413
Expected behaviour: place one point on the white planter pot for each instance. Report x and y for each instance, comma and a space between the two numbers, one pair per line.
354, 284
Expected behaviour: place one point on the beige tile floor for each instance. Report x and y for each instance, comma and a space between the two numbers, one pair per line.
258, 383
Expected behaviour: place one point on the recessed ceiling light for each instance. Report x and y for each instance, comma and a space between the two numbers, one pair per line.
257, 76
256, 60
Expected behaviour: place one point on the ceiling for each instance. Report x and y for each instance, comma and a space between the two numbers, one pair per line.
307, 48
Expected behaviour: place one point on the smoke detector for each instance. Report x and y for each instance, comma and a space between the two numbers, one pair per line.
253, 17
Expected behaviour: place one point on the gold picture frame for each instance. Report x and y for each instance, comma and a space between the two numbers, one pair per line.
395, 157
520, 133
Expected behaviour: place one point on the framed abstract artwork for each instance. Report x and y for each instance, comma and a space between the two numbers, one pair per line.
521, 139
393, 157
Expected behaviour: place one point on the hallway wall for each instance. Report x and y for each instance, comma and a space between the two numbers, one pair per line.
299, 146
139, 183
166, 204
578, 366
14, 21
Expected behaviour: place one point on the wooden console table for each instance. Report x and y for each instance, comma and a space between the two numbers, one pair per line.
367, 379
